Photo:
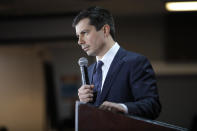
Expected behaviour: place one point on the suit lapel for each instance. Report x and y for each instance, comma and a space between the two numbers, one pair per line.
91, 72
112, 73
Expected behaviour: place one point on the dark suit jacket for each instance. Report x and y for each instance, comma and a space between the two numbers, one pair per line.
131, 81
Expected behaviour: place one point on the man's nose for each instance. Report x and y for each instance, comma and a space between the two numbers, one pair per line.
81, 41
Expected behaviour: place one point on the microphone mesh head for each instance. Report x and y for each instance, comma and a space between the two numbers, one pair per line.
83, 61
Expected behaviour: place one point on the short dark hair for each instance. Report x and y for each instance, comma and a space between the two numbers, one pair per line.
98, 17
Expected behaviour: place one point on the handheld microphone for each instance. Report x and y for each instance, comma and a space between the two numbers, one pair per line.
83, 63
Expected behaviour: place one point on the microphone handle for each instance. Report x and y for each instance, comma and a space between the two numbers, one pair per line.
85, 81
84, 75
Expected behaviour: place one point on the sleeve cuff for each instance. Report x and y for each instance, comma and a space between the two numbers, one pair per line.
125, 107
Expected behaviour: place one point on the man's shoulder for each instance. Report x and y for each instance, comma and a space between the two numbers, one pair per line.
133, 56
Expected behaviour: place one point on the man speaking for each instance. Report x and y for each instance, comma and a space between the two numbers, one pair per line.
123, 81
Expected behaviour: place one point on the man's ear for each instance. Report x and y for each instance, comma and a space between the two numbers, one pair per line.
106, 29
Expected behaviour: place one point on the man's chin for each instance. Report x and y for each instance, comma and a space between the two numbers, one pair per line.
90, 53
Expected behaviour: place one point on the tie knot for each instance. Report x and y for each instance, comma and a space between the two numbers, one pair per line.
99, 64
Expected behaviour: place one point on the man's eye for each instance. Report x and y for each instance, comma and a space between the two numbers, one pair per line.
86, 33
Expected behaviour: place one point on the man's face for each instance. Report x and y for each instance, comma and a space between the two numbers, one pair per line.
91, 41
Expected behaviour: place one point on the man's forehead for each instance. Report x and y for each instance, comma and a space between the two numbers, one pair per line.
83, 24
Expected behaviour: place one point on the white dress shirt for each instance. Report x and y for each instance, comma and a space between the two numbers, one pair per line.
107, 60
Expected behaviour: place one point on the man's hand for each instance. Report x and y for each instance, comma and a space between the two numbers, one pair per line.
111, 106
85, 93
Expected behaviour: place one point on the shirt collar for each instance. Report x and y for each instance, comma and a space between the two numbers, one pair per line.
109, 56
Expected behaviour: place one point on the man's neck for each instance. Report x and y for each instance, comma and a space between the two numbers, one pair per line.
108, 47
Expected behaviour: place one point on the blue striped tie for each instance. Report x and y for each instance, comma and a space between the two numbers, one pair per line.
97, 81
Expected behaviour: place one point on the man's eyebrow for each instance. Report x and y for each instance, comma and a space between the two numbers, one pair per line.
82, 32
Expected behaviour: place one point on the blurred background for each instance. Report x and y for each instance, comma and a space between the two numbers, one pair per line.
40, 76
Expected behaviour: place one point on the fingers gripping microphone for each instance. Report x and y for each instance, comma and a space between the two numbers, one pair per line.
83, 63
